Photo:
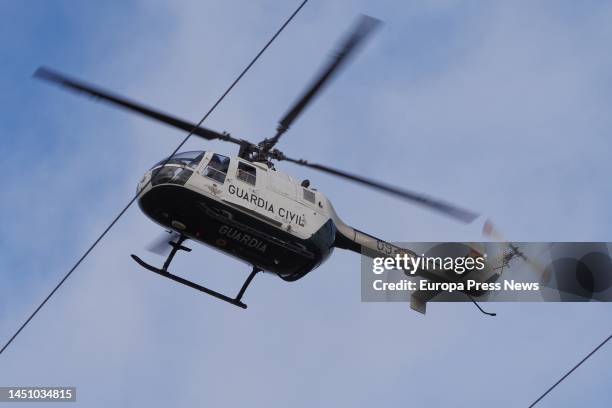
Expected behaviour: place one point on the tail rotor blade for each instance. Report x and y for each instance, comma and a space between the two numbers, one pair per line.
490, 231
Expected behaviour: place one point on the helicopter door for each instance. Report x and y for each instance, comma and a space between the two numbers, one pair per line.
281, 184
245, 184
247, 174
217, 168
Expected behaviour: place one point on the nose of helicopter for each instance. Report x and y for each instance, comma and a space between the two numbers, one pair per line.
175, 170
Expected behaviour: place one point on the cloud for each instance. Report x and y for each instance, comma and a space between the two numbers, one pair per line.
495, 127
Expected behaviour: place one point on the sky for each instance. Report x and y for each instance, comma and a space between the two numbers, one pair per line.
499, 107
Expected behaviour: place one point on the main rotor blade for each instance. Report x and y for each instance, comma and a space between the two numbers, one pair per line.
97, 93
364, 27
437, 205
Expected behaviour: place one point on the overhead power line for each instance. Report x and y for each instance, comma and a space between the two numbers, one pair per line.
571, 371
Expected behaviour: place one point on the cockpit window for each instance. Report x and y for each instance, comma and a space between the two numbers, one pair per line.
217, 167
189, 159
246, 173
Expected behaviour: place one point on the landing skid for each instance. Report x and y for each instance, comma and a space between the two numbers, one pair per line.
176, 246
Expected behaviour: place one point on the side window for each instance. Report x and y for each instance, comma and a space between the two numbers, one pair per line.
309, 195
217, 168
246, 173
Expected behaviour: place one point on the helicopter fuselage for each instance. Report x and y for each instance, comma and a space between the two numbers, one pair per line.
247, 210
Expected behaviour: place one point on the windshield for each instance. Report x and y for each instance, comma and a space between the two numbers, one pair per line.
190, 159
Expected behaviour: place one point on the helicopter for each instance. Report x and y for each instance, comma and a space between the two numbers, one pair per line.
247, 208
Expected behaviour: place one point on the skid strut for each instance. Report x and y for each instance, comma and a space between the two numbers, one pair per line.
177, 246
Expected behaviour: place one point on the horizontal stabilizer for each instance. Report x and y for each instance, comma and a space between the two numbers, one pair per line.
419, 299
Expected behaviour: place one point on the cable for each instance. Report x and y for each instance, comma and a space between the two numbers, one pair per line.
478, 306
129, 204
572, 370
